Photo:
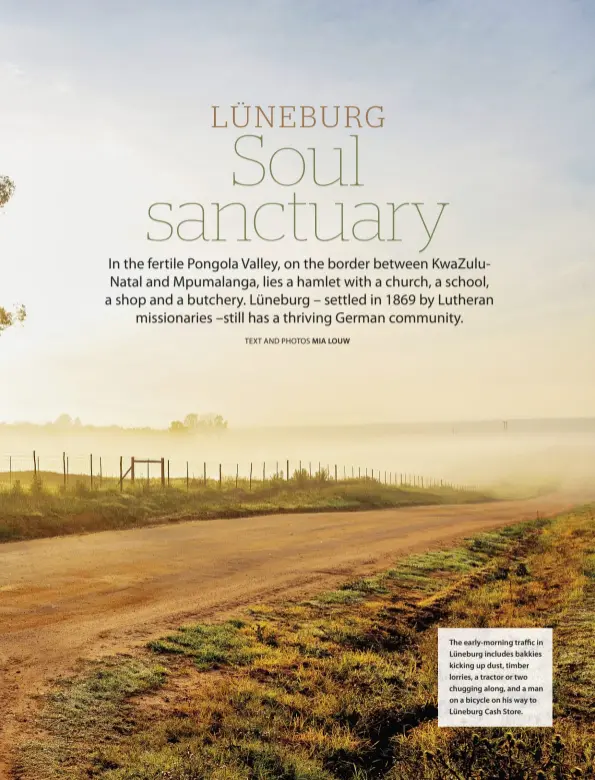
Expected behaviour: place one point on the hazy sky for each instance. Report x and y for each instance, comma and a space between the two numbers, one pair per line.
105, 108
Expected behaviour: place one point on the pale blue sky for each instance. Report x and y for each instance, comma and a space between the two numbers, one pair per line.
491, 106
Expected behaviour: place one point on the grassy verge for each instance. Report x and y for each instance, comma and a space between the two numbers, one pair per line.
343, 687
44, 509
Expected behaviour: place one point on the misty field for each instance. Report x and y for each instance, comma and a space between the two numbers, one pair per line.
529, 453
342, 686
42, 505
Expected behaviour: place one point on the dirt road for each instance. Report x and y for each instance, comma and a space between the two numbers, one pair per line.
71, 597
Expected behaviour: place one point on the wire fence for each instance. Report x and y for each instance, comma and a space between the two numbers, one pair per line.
97, 472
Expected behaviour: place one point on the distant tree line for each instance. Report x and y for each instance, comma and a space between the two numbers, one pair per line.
197, 423
192, 423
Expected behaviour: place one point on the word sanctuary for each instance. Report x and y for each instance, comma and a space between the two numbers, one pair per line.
297, 220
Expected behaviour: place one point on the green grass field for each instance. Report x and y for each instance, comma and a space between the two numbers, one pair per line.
30, 509
342, 686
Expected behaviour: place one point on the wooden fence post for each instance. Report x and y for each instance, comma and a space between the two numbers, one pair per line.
34, 465
335, 472
64, 467
163, 472
204, 472
91, 469
121, 476
100, 472
187, 477
250, 476
220, 477
132, 475
237, 473
287, 470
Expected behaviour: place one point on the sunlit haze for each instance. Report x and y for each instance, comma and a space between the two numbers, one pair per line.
106, 108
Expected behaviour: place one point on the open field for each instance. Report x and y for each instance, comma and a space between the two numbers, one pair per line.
86, 596
341, 685
33, 507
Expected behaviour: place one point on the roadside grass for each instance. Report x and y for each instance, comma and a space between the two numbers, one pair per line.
81, 707
210, 645
45, 508
343, 686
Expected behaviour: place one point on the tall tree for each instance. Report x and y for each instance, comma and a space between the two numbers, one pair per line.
8, 318
191, 421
